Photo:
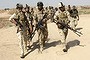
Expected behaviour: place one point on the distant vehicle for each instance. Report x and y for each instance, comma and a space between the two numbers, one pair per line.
6, 9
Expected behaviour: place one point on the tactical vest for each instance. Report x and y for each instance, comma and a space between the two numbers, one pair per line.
22, 18
39, 16
51, 14
29, 17
63, 18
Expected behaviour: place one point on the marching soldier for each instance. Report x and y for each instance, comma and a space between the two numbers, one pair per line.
69, 8
41, 23
19, 19
32, 11
46, 9
61, 18
51, 13
56, 9
74, 17
30, 20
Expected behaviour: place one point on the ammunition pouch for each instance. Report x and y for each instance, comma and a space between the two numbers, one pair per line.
73, 16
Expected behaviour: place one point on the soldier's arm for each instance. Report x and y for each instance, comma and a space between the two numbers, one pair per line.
35, 20
77, 15
11, 19
56, 18
68, 16
32, 20
45, 17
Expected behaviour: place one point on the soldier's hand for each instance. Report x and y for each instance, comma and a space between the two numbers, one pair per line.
78, 19
68, 21
33, 26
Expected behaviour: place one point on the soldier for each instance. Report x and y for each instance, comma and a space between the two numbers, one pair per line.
19, 19
32, 11
56, 9
41, 23
74, 17
46, 9
62, 17
30, 20
51, 13
69, 8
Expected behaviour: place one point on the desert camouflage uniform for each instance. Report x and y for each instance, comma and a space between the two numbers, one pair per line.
62, 17
42, 33
51, 13
74, 18
30, 20
22, 34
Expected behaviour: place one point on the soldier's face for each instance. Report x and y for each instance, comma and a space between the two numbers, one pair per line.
19, 10
69, 7
74, 7
23, 10
27, 10
62, 8
40, 8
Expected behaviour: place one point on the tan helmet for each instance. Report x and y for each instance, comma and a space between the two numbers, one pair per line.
27, 6
60, 4
19, 6
40, 4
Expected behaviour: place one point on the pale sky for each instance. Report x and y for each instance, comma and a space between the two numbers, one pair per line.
12, 3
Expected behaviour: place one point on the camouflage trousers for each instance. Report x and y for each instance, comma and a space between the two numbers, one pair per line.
73, 22
63, 34
42, 37
23, 39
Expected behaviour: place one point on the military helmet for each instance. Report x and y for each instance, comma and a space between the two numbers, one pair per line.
60, 4
27, 6
19, 6
39, 4
74, 7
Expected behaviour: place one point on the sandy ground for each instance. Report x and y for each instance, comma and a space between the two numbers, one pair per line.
9, 44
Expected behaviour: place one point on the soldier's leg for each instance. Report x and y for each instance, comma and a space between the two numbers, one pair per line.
39, 39
63, 40
25, 40
20, 36
28, 40
61, 35
76, 22
44, 38
65, 31
72, 23
46, 32
42, 41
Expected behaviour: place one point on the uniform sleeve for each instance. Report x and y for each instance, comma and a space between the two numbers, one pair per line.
56, 14
35, 19
12, 16
68, 14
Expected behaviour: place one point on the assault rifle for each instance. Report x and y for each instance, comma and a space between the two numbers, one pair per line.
67, 26
19, 24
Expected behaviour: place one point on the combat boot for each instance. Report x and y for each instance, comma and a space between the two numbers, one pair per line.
22, 56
